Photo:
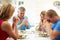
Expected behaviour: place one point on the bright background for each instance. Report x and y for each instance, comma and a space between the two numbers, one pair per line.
34, 8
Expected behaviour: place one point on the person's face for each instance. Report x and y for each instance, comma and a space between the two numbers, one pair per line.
43, 17
52, 19
21, 13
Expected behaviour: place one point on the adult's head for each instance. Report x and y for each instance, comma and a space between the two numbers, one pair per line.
52, 15
43, 15
21, 12
6, 11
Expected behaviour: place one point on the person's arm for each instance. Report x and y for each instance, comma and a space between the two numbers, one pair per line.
25, 21
40, 25
27, 24
52, 33
15, 28
8, 29
15, 22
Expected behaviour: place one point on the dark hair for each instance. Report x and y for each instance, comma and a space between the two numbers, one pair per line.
6, 11
51, 13
22, 8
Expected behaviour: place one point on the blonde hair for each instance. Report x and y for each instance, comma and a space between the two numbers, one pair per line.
6, 11
43, 13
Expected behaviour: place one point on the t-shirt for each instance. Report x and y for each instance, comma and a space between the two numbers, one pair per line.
56, 26
24, 26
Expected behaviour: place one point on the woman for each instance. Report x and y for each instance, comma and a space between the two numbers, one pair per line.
43, 19
5, 28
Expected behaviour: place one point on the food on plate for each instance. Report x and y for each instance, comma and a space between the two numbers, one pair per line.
43, 34
21, 36
23, 31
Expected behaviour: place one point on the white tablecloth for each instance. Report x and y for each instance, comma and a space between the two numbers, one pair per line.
33, 35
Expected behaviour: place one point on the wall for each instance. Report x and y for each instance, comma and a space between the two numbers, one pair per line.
34, 7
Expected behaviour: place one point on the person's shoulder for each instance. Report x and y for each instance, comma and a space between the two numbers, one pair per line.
58, 22
57, 26
5, 25
5, 22
25, 17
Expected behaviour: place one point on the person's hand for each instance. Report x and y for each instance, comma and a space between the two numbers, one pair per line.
48, 26
15, 20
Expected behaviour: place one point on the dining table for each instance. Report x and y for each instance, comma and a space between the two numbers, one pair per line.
32, 34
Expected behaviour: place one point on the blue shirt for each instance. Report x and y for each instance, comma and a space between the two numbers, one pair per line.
56, 26
24, 26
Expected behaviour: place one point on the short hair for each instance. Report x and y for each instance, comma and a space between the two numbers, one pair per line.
6, 11
50, 13
23, 9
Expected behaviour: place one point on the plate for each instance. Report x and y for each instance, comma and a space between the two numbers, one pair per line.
43, 34
22, 36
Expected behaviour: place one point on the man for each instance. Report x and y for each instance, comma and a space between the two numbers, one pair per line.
22, 20
54, 31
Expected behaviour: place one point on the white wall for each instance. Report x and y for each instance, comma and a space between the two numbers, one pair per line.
34, 7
